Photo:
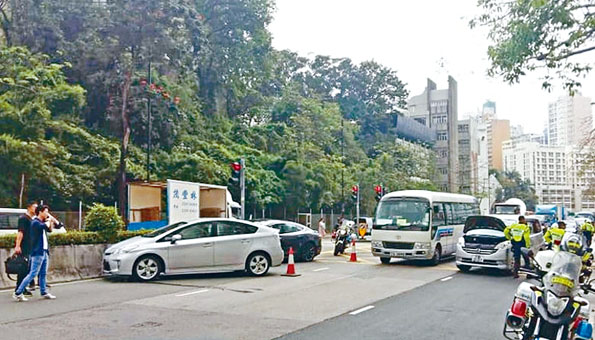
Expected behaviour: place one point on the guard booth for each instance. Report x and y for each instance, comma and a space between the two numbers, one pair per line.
153, 205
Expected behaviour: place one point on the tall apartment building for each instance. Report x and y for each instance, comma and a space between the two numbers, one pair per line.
554, 171
473, 156
498, 133
569, 120
438, 109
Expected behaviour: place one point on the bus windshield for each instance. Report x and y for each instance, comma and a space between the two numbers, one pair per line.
507, 209
403, 214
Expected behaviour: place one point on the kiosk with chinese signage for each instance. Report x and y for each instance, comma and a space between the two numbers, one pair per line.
185, 201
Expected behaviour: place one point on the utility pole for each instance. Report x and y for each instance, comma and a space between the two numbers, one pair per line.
243, 187
149, 125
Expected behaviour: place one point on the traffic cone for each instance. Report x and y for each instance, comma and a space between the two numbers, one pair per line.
353, 257
290, 265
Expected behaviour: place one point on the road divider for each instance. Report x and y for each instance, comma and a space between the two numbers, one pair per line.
361, 310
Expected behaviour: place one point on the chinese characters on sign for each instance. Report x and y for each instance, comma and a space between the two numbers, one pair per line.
182, 201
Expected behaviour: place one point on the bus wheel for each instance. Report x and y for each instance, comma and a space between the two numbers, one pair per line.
385, 260
437, 255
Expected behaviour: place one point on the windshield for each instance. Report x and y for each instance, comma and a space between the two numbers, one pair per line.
587, 216
563, 276
163, 230
507, 209
403, 214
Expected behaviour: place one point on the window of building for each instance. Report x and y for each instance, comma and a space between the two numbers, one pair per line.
442, 136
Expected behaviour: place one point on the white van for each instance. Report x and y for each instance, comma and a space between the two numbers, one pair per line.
9, 221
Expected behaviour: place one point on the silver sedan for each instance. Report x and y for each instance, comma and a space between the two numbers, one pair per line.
204, 245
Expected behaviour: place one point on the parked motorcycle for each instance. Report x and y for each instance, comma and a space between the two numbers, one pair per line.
552, 309
343, 238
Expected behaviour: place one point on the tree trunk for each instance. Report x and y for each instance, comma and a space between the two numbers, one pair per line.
122, 192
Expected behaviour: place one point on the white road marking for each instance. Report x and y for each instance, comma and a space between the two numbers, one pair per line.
361, 310
446, 279
192, 293
320, 269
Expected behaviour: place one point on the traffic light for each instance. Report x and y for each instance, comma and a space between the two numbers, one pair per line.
236, 170
354, 191
378, 190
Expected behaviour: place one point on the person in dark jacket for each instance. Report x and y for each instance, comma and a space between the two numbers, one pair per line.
39, 253
23, 241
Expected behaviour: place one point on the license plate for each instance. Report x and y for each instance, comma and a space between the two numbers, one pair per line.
478, 259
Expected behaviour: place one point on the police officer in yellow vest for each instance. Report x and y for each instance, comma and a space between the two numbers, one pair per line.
519, 235
588, 230
553, 236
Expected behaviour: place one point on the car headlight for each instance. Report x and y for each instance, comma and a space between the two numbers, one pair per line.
377, 244
421, 245
124, 250
461, 241
502, 245
556, 305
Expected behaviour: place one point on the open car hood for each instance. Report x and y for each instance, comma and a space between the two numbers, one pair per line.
484, 222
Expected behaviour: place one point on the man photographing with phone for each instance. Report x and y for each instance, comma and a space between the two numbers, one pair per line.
39, 253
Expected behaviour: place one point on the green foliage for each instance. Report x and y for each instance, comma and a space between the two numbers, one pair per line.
513, 186
75, 238
538, 34
104, 220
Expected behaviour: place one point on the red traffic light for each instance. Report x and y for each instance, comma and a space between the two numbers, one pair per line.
236, 166
378, 189
354, 188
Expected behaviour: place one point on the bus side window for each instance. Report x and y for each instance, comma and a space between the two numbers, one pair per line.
438, 216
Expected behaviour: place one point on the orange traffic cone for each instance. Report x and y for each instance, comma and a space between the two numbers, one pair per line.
353, 257
290, 265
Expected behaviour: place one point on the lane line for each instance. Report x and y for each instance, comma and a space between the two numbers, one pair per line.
320, 269
361, 310
192, 293
446, 279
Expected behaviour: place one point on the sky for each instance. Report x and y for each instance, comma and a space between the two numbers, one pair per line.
419, 39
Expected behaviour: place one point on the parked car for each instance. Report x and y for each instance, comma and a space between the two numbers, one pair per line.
9, 221
204, 245
483, 243
306, 242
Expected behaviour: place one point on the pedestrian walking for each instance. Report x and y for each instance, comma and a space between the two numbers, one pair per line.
39, 253
519, 235
23, 243
321, 227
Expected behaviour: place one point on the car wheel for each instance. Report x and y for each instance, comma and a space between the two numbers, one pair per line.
308, 252
147, 268
258, 264
437, 255
463, 268
385, 260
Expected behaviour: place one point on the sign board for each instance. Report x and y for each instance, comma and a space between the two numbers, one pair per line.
182, 201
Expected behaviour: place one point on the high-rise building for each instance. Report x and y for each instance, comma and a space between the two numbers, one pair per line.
569, 120
438, 109
473, 156
556, 172
498, 133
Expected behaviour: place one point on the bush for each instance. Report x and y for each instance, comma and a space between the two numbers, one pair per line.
75, 238
105, 221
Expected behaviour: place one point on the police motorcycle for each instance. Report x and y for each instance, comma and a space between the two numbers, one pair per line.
343, 237
553, 308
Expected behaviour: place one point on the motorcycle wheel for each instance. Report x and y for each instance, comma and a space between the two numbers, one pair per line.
338, 249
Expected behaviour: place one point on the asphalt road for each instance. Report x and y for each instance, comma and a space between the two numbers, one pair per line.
410, 302
463, 306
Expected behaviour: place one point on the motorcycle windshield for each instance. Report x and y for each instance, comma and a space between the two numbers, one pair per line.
563, 277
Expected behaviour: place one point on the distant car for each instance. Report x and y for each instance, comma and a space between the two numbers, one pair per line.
483, 243
305, 242
9, 221
203, 245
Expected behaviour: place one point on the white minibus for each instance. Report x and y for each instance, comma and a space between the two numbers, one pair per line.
419, 224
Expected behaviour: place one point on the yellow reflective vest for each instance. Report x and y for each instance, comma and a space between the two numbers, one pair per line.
588, 227
554, 235
517, 232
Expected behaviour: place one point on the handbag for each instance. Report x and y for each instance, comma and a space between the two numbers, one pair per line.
16, 264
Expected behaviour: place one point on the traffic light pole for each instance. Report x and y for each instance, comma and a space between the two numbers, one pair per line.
243, 187
357, 211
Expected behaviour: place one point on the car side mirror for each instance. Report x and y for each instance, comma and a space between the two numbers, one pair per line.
175, 238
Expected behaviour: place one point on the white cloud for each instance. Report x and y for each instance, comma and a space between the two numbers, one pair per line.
415, 38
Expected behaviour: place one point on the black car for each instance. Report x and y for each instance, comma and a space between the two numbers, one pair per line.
306, 242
